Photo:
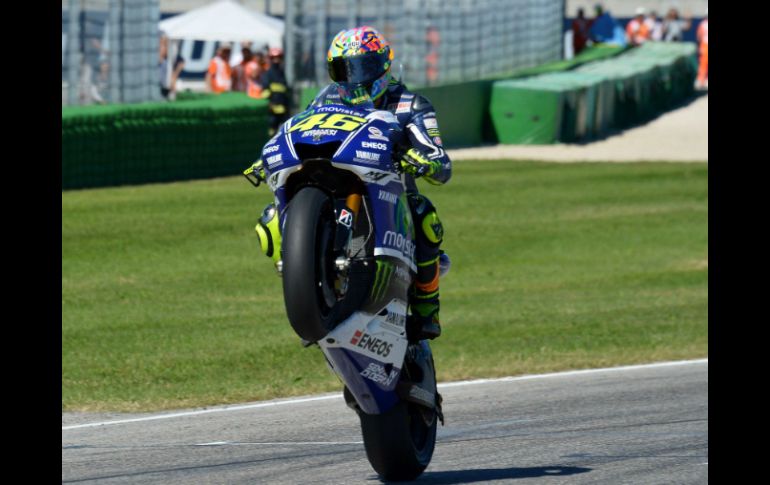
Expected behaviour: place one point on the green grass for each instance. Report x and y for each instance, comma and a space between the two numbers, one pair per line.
167, 302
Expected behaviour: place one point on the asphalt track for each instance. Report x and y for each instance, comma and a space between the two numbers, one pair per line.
642, 424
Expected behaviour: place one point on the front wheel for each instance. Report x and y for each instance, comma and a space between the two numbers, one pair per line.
399, 443
308, 264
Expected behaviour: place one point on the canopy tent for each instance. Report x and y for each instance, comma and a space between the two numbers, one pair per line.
225, 21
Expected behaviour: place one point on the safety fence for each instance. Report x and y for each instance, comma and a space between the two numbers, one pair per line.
160, 142
592, 99
204, 135
109, 51
435, 41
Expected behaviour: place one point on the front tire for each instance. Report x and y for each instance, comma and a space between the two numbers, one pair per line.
399, 443
308, 264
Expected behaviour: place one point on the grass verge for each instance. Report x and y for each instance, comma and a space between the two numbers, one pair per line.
168, 303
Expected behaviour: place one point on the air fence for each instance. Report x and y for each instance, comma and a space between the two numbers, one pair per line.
109, 51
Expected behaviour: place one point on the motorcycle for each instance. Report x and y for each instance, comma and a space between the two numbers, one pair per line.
347, 263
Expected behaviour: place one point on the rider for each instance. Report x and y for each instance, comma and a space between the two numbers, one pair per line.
359, 62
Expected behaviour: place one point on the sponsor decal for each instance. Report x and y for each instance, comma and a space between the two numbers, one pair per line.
271, 149
371, 344
375, 145
272, 182
319, 133
398, 241
397, 319
369, 156
437, 140
430, 123
274, 159
403, 107
336, 109
433, 132
375, 372
381, 279
387, 197
375, 176
356, 337
403, 274
376, 134
346, 218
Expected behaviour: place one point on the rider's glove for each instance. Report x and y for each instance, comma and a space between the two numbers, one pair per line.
256, 173
419, 165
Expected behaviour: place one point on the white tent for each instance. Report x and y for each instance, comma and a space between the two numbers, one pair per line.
225, 21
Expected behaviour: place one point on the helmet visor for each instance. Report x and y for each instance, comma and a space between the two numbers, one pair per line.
362, 69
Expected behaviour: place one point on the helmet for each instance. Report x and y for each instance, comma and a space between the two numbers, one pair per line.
359, 62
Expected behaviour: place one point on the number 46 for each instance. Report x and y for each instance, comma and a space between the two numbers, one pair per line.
327, 120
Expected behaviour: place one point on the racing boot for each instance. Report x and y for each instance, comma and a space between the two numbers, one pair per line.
269, 234
424, 302
425, 322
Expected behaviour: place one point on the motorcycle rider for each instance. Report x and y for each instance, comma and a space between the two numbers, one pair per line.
359, 62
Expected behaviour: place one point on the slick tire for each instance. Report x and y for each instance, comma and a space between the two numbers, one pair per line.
308, 264
399, 443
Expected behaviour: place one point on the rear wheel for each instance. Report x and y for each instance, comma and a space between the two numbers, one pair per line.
399, 443
309, 272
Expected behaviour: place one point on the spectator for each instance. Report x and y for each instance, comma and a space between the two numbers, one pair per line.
580, 31
254, 70
168, 79
274, 88
605, 29
654, 26
674, 27
219, 75
240, 79
702, 34
637, 31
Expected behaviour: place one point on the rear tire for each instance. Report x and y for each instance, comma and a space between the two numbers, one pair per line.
399, 443
308, 264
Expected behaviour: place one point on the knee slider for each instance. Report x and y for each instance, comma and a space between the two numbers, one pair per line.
269, 233
426, 219
432, 228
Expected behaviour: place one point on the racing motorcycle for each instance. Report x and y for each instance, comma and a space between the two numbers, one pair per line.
347, 263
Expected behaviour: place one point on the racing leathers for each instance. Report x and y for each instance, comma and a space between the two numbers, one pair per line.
417, 119
424, 156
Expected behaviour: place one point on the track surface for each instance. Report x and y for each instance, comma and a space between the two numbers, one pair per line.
626, 425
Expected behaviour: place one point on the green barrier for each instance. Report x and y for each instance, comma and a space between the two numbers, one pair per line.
536, 119
204, 135
594, 97
463, 108
159, 142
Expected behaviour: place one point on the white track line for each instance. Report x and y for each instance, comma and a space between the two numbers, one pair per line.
338, 395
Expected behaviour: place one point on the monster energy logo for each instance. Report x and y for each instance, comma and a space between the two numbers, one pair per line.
403, 217
381, 279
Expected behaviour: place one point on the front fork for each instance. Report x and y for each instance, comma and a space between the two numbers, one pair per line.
269, 232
